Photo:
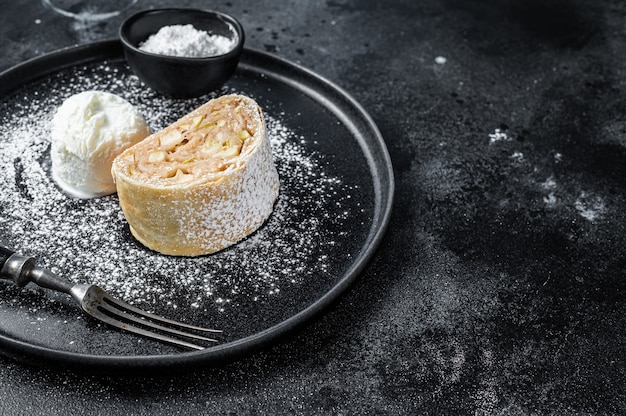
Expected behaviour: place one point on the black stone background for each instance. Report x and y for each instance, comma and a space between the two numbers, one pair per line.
499, 288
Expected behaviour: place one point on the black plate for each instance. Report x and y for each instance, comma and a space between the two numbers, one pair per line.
335, 202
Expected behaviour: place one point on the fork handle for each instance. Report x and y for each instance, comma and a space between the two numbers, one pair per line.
22, 270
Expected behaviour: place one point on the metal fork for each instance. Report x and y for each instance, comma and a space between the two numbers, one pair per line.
101, 305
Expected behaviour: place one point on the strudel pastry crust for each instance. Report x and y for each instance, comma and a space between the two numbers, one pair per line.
201, 184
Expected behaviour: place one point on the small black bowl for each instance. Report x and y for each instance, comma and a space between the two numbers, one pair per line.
180, 77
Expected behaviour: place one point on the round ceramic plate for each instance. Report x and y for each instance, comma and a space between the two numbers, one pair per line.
334, 205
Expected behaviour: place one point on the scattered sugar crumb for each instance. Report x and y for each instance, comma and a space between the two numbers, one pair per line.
549, 183
550, 200
589, 207
497, 136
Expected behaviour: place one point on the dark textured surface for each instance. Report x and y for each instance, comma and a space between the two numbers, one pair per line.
499, 288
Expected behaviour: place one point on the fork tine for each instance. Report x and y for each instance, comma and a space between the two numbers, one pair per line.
111, 307
125, 306
141, 331
97, 302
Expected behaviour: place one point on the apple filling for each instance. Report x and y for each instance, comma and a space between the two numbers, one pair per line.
196, 145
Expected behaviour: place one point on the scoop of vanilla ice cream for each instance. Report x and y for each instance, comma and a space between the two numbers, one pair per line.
88, 130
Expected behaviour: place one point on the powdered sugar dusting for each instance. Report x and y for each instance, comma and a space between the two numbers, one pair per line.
189, 42
89, 240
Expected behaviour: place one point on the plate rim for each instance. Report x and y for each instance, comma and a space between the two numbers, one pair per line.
380, 167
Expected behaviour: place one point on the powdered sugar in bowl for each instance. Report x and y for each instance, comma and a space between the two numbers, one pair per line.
182, 53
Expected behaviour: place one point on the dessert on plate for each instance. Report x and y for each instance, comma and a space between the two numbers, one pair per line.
202, 183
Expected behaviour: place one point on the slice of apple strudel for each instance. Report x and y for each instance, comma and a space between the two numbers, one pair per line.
201, 184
